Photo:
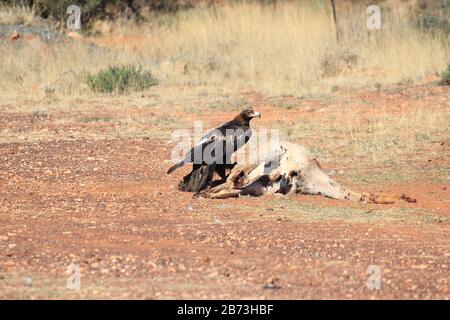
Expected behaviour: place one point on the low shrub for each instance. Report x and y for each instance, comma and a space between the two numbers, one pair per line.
120, 79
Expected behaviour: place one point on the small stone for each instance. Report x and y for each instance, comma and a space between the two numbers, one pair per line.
14, 36
75, 35
271, 286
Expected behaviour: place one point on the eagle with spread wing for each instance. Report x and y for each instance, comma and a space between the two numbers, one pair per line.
217, 146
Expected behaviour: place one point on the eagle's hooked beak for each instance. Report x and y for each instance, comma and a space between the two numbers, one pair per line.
256, 114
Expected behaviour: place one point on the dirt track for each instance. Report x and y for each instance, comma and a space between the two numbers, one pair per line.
107, 206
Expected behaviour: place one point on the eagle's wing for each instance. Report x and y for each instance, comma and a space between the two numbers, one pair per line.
196, 153
212, 146
220, 147
241, 138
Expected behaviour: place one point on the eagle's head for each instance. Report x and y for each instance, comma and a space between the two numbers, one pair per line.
245, 116
249, 114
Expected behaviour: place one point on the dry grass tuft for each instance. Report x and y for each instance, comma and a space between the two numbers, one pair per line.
17, 15
36, 67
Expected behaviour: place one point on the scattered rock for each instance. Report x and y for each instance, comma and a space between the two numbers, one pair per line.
272, 283
29, 281
271, 286
75, 35
14, 36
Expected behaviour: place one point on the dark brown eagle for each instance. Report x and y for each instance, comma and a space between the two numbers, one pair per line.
217, 146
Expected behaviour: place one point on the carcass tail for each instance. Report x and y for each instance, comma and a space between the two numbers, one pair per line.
389, 198
379, 198
175, 167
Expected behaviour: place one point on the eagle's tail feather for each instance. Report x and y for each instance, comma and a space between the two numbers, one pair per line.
175, 167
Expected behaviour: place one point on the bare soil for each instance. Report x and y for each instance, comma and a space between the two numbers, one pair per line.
107, 205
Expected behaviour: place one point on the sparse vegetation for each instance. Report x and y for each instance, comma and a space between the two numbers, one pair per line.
318, 212
240, 47
93, 10
384, 131
120, 79
446, 75
13, 14
39, 114
95, 119
434, 17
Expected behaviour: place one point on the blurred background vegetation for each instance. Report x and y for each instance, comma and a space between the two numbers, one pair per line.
428, 14
271, 46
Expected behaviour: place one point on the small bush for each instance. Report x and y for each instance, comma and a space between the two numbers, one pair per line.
120, 79
446, 75
431, 23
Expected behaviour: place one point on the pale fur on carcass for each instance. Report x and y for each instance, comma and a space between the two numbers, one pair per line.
290, 169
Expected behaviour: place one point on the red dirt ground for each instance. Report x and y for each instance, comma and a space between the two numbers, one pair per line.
108, 206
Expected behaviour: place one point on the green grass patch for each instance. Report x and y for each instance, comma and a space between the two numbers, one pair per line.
120, 79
